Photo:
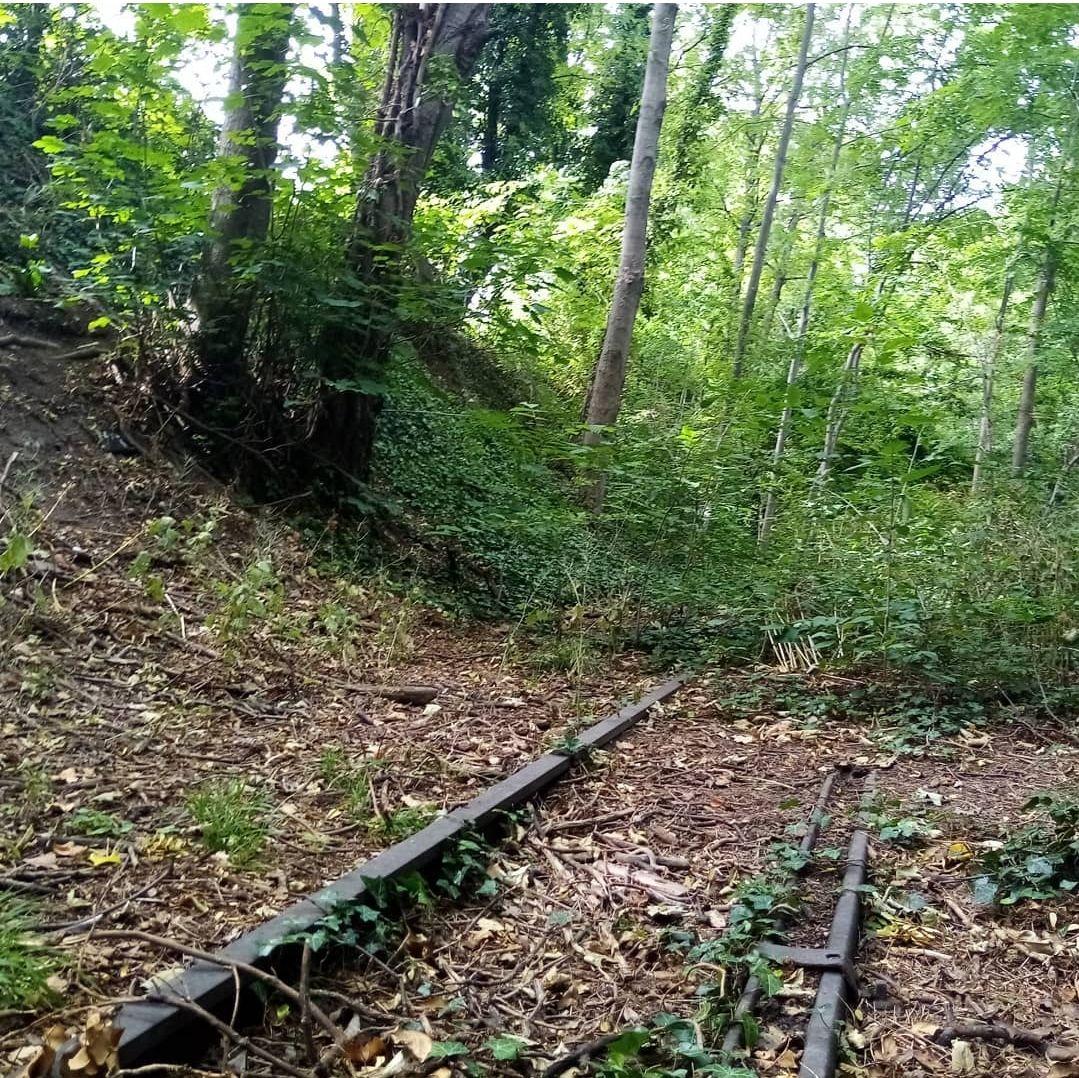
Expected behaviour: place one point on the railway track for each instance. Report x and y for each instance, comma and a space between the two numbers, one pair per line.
616, 903
670, 889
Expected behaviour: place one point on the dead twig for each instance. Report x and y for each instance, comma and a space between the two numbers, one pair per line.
1002, 1033
580, 1055
227, 1031
305, 1003
288, 992
182, 1069
70, 927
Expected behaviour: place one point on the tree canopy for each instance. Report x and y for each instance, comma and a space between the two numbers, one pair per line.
389, 244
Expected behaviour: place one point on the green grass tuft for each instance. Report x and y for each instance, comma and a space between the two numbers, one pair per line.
233, 818
25, 963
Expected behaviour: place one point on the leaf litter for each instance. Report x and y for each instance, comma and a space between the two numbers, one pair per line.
159, 640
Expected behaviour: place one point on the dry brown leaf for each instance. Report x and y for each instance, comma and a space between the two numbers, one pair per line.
962, 1058
417, 1042
365, 1049
33, 1061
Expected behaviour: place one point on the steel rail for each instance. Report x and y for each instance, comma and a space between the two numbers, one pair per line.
150, 1030
751, 994
835, 993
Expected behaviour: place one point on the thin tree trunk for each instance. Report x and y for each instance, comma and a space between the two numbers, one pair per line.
745, 222
984, 449
773, 194
794, 368
608, 380
1027, 395
240, 215
489, 151
833, 424
779, 281
1071, 459
848, 377
411, 117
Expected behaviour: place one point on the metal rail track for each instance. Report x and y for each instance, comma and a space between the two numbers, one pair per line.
151, 1031
838, 987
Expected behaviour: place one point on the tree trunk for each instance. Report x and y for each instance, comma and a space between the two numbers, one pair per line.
1071, 459
609, 377
837, 410
412, 115
773, 194
240, 212
989, 368
489, 149
779, 280
794, 369
1025, 419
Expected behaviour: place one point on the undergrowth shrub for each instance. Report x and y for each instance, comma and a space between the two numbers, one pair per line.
233, 818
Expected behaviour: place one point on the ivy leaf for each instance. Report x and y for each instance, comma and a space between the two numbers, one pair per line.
15, 553
505, 1047
984, 890
447, 1049
627, 1046
51, 144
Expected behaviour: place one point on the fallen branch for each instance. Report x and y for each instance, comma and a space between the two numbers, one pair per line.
288, 992
23, 342
403, 694
185, 1070
1001, 1033
84, 351
227, 1031
24, 885
580, 1055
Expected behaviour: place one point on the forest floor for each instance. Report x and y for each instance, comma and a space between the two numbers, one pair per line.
194, 735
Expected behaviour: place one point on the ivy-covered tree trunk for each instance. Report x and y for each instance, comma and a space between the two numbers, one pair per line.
241, 210
764, 232
416, 106
609, 377
616, 93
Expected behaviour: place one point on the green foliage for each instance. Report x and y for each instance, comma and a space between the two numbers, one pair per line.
612, 109
880, 553
403, 822
233, 818
25, 962
1037, 861
922, 721
97, 824
15, 553
669, 1048
504, 1047
256, 595
353, 780
892, 824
